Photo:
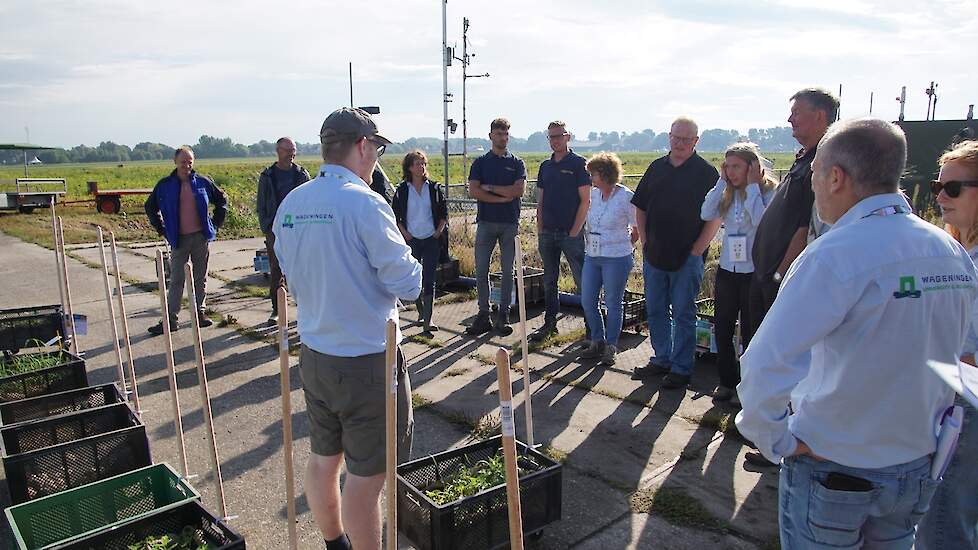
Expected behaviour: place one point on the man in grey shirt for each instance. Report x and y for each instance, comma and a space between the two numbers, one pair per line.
274, 183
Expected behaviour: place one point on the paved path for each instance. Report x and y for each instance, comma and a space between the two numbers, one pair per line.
625, 445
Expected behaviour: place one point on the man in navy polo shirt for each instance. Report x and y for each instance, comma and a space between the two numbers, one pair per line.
497, 180
563, 198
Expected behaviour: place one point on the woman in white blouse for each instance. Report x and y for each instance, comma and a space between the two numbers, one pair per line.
610, 235
739, 198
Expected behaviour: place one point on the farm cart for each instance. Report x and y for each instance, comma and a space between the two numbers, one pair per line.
109, 201
26, 194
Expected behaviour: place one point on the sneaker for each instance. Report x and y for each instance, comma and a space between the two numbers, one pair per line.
547, 330
157, 329
432, 328
204, 322
272, 319
502, 327
651, 369
481, 325
608, 357
723, 393
594, 351
674, 381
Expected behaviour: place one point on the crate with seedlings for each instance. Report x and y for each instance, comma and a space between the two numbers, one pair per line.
54, 404
39, 373
46, 456
20, 326
80, 517
706, 341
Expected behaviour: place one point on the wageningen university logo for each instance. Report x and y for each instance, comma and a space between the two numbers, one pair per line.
930, 283
290, 221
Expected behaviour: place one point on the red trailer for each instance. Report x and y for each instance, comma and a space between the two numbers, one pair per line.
109, 201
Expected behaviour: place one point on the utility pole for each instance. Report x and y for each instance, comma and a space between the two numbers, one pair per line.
466, 59
870, 102
838, 113
28, 132
931, 101
902, 98
351, 84
446, 60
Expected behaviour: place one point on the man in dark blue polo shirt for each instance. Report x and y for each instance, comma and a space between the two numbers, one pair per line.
563, 197
674, 240
497, 180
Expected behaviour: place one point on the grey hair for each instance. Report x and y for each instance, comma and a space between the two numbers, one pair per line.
871, 151
821, 100
688, 122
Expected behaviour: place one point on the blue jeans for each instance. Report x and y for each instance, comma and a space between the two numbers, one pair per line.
812, 516
612, 274
670, 300
487, 234
551, 244
953, 517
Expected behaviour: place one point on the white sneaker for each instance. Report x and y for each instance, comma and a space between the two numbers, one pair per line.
273, 319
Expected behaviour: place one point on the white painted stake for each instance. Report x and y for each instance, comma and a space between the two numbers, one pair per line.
390, 388
283, 357
64, 274
57, 264
521, 298
204, 392
171, 369
125, 324
120, 370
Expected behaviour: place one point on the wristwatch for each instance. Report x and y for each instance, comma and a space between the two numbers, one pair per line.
776, 277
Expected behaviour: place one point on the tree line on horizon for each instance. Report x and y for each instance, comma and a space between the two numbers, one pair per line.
770, 140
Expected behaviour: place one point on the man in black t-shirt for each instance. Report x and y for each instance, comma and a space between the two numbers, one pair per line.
786, 224
674, 241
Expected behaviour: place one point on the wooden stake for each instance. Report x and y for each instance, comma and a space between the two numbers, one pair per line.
64, 275
120, 372
509, 450
125, 323
57, 266
202, 380
171, 374
283, 358
391, 390
521, 298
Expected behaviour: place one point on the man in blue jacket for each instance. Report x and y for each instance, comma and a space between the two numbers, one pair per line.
178, 208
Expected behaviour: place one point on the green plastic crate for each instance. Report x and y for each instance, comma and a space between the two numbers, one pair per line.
55, 519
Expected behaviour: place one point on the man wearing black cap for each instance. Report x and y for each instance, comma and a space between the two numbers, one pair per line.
347, 265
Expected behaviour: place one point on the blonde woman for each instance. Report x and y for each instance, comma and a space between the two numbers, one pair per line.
952, 520
739, 199
610, 235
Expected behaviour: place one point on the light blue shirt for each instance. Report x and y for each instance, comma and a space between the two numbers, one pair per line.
847, 341
971, 341
346, 263
419, 222
741, 219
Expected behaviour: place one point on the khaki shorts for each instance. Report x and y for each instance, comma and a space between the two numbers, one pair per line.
346, 402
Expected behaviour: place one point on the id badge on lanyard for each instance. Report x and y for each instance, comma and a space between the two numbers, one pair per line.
737, 247
593, 244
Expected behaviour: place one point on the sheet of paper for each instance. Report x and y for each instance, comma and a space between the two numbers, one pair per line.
951, 375
969, 382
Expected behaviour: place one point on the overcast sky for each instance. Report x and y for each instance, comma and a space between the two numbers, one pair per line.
129, 71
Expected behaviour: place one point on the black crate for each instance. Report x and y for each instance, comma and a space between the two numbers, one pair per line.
66, 376
634, 314
480, 521
45, 456
532, 284
446, 273
212, 530
705, 303
59, 403
21, 325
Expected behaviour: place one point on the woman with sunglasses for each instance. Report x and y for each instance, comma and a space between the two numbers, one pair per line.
952, 520
421, 212
739, 198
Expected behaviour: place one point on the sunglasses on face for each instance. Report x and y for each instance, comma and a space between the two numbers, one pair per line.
951, 188
381, 147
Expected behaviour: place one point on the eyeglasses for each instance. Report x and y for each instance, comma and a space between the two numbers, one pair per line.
381, 147
557, 136
951, 188
682, 139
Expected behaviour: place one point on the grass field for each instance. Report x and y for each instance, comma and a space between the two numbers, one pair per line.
238, 178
